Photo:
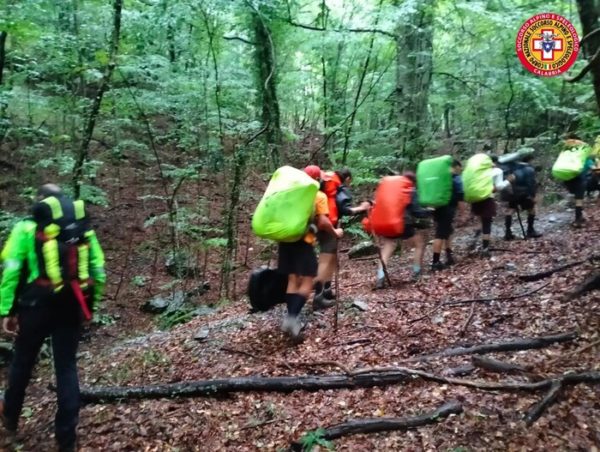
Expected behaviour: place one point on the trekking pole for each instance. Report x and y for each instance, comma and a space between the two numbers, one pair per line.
337, 290
521, 223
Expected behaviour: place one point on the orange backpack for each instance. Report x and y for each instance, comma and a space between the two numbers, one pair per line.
392, 197
330, 186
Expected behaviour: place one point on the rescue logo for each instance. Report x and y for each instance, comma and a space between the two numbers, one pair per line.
547, 44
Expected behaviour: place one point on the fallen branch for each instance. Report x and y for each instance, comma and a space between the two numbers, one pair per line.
357, 426
575, 352
592, 282
536, 411
546, 273
506, 250
501, 298
509, 346
241, 352
493, 365
463, 330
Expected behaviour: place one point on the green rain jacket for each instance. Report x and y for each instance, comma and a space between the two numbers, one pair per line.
21, 265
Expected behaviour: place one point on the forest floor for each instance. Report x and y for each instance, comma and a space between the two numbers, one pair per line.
400, 322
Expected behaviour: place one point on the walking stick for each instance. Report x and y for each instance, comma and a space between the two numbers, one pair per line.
337, 290
521, 223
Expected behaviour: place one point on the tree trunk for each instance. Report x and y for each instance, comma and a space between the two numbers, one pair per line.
589, 14
95, 109
267, 80
414, 64
3, 35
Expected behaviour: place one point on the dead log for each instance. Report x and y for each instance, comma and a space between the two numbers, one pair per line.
536, 411
550, 272
386, 424
493, 365
211, 388
592, 282
508, 346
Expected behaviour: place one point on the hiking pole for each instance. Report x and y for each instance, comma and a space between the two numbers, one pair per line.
337, 290
521, 222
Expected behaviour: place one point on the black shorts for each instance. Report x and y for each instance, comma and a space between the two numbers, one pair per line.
577, 186
522, 202
297, 258
485, 208
409, 233
444, 217
327, 242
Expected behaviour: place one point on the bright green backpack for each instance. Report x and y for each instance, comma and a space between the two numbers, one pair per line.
570, 163
286, 207
434, 181
477, 178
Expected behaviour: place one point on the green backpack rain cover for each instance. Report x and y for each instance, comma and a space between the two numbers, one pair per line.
477, 178
570, 163
286, 207
434, 181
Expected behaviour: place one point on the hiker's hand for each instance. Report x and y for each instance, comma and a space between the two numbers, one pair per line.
339, 233
364, 206
511, 178
10, 325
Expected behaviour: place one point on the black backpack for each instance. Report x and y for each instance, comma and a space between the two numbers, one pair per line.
266, 288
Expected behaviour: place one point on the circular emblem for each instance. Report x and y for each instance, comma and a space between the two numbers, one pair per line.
547, 44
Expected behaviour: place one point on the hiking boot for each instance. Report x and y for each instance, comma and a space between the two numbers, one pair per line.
578, 223
533, 234
291, 325
508, 235
380, 283
10, 426
437, 266
68, 448
450, 260
416, 276
485, 253
321, 302
328, 293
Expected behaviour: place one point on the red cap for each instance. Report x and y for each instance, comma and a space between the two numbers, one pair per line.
313, 171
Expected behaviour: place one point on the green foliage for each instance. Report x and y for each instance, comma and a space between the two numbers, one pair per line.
315, 438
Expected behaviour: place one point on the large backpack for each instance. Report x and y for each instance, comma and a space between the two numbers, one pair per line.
392, 197
266, 288
331, 185
477, 178
287, 206
62, 247
570, 163
434, 181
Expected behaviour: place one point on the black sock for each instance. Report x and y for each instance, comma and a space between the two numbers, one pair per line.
530, 221
486, 244
448, 253
508, 223
578, 212
436, 258
295, 303
318, 286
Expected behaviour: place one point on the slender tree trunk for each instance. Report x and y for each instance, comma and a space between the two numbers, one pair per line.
96, 103
413, 76
589, 14
267, 79
3, 36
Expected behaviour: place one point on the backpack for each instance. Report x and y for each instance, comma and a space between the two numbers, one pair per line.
62, 247
392, 197
286, 208
477, 178
570, 163
266, 288
331, 186
434, 181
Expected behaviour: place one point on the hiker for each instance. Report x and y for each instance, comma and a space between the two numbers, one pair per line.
299, 261
396, 214
522, 196
482, 178
443, 217
52, 281
335, 185
573, 168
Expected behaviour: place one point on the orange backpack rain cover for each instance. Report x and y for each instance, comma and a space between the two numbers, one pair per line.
331, 184
392, 196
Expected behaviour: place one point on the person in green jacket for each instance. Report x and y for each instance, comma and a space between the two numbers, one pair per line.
53, 279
